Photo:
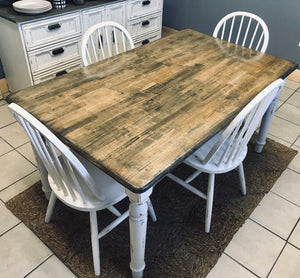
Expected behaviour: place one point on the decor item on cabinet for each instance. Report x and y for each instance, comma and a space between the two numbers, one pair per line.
245, 29
59, 4
103, 40
227, 150
32, 6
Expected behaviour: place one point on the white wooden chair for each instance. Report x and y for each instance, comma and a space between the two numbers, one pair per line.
75, 181
103, 40
245, 29
228, 148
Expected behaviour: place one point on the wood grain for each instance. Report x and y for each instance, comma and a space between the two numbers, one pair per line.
138, 114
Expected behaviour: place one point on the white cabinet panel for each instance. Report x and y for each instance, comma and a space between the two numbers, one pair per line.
138, 8
91, 17
48, 31
53, 55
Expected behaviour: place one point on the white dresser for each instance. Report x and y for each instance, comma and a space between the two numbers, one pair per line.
36, 49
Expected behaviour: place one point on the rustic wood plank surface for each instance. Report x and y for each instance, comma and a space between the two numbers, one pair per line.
138, 114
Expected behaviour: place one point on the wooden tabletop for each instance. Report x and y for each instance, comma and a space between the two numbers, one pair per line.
139, 114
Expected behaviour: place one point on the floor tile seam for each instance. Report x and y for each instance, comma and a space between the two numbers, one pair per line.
25, 156
36, 267
288, 238
12, 227
238, 262
291, 169
18, 180
275, 262
291, 122
267, 229
4, 126
284, 198
276, 137
294, 246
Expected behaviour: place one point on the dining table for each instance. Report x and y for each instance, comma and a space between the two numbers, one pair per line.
139, 114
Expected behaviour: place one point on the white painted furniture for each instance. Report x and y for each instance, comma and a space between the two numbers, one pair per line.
103, 40
75, 181
34, 49
227, 149
245, 29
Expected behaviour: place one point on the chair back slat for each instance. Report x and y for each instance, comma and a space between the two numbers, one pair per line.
63, 167
236, 136
245, 29
103, 40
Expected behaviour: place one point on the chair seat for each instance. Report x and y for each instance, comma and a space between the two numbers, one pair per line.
196, 160
111, 189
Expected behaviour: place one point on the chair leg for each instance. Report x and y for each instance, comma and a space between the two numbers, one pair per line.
95, 242
50, 207
151, 211
209, 201
242, 179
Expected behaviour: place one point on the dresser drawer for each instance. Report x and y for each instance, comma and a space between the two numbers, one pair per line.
56, 72
54, 55
142, 40
145, 24
137, 8
52, 30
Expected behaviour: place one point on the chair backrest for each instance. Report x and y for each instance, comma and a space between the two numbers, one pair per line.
68, 173
104, 40
237, 134
245, 29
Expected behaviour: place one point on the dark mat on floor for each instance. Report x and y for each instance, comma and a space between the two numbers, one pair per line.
177, 245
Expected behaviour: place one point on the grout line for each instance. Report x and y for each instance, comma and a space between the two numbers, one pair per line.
276, 259
284, 197
45, 260
12, 227
241, 264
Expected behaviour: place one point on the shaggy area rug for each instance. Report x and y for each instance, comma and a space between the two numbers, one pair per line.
177, 245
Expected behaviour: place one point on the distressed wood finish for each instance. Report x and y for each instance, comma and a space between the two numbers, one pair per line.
138, 114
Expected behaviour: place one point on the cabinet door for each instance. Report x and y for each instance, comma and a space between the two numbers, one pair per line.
92, 16
116, 13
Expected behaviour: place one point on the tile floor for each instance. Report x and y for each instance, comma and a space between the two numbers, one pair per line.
267, 245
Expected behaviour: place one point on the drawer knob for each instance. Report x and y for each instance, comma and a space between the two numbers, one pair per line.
57, 51
144, 3
145, 23
145, 42
54, 26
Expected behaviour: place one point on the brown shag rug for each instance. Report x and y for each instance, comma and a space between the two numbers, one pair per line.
177, 245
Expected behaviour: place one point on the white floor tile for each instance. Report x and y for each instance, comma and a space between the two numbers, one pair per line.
288, 186
290, 113
26, 151
13, 168
4, 147
276, 214
255, 247
288, 265
295, 99
19, 186
295, 163
14, 134
226, 267
6, 117
7, 219
297, 143
284, 130
278, 140
295, 237
286, 93
291, 84
52, 268
21, 251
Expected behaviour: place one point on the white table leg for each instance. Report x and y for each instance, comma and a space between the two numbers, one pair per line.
44, 175
265, 124
138, 214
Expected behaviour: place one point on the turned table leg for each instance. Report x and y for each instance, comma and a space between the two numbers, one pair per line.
138, 214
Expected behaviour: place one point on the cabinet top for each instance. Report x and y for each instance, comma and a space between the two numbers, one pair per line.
10, 14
